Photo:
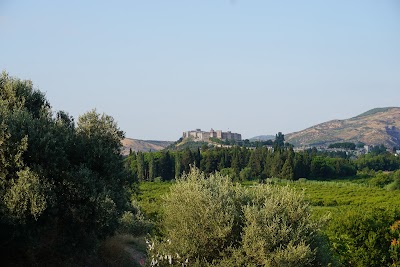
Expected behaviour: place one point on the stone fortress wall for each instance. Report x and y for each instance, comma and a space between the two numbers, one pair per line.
199, 135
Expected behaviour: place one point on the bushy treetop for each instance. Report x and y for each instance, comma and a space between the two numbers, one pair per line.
58, 179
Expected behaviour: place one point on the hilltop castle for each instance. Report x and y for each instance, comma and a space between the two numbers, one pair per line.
200, 135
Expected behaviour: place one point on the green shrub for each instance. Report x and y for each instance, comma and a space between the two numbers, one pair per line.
245, 174
209, 220
134, 223
361, 237
381, 179
395, 185
230, 172
158, 179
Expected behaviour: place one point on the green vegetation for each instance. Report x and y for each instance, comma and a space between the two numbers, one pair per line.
208, 220
150, 199
243, 163
260, 162
344, 145
358, 233
63, 185
381, 162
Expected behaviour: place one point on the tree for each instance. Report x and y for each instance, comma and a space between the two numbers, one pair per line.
279, 140
178, 165
152, 167
208, 221
255, 163
197, 157
222, 162
246, 174
299, 168
318, 167
361, 237
57, 180
141, 166
235, 164
378, 150
276, 164
343, 145
166, 166
187, 159
287, 169
267, 165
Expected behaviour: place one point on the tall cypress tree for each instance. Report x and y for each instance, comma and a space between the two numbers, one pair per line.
166, 166
235, 164
140, 166
287, 169
152, 167
178, 165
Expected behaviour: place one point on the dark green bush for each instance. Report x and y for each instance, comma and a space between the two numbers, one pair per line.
62, 184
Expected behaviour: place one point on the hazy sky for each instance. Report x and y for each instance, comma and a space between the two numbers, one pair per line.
163, 67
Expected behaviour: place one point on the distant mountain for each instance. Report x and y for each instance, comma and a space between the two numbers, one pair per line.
143, 145
376, 126
262, 138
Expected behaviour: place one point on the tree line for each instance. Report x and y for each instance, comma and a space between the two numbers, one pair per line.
257, 163
238, 162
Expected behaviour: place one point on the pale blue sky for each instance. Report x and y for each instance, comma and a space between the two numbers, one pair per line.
163, 67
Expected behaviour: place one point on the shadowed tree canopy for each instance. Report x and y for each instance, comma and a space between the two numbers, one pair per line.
61, 183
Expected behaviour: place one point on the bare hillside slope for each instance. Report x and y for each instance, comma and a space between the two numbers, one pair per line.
376, 126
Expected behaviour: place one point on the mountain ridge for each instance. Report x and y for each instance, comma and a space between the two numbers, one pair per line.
373, 127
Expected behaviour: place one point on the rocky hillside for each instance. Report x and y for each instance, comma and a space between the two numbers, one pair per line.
143, 145
376, 126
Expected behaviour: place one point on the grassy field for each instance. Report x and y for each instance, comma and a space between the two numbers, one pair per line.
324, 196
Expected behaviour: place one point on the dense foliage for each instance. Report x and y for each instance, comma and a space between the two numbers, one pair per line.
210, 221
258, 163
343, 145
363, 229
383, 162
240, 163
362, 238
62, 184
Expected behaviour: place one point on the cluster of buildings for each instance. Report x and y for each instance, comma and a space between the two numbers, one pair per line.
199, 135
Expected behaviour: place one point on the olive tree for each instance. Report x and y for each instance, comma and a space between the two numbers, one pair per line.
211, 221
62, 184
